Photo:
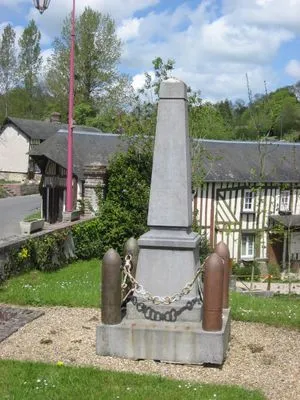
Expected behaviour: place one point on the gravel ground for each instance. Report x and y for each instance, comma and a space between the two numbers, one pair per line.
260, 356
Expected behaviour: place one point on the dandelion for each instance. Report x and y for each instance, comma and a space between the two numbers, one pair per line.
59, 363
23, 254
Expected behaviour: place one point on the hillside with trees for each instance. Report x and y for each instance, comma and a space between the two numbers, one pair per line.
33, 88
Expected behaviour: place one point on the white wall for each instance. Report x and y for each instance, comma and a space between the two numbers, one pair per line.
13, 151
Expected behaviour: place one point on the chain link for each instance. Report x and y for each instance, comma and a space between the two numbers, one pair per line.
146, 295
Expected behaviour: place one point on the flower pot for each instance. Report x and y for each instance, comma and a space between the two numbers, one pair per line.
28, 227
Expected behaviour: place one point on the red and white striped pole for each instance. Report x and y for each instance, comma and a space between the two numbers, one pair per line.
69, 200
42, 5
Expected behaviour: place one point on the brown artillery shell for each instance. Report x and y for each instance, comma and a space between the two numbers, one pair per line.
213, 293
131, 247
111, 288
223, 252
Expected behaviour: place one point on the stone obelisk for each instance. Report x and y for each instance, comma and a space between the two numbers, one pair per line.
169, 252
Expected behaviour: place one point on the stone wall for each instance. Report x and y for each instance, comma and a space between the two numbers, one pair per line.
14, 245
95, 180
15, 189
13, 176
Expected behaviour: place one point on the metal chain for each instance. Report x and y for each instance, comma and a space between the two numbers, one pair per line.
146, 295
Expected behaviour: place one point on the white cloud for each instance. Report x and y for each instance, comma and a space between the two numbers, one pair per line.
138, 81
215, 43
213, 53
241, 43
129, 28
293, 69
267, 13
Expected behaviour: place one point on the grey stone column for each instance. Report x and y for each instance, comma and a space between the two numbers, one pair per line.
95, 177
169, 252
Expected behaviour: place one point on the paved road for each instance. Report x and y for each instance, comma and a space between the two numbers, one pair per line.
13, 210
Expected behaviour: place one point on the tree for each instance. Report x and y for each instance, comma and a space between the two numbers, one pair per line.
30, 60
275, 114
207, 122
97, 53
124, 211
226, 110
7, 63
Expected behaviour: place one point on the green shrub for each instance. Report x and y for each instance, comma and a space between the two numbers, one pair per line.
124, 212
3, 193
49, 251
19, 260
244, 271
53, 250
87, 239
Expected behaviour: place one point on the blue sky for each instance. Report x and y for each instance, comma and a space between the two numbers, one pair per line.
214, 42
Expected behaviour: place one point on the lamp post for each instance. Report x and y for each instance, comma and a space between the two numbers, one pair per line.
42, 5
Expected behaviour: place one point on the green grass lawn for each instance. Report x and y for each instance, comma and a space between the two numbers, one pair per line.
26, 381
280, 310
78, 285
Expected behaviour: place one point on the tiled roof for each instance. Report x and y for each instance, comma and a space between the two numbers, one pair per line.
41, 130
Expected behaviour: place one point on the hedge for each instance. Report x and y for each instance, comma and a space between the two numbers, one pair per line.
53, 250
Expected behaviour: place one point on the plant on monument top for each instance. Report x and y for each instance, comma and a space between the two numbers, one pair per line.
124, 212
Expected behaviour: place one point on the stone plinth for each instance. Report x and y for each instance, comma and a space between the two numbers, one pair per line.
180, 342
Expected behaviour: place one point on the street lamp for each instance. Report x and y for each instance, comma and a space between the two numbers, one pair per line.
42, 5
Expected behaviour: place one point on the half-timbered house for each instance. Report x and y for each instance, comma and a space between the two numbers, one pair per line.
248, 193
91, 151
250, 198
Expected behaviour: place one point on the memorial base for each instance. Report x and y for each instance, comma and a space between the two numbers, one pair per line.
180, 342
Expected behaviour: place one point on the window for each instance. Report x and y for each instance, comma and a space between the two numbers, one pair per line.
248, 201
284, 205
247, 246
